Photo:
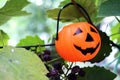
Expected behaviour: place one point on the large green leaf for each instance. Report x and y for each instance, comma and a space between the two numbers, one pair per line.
32, 41
105, 48
110, 8
3, 38
12, 8
97, 73
21, 64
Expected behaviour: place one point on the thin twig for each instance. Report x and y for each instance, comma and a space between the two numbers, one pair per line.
53, 60
52, 44
117, 19
68, 69
115, 45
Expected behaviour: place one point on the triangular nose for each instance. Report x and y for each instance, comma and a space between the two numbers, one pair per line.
89, 38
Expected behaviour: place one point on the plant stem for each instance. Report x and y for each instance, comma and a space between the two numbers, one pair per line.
52, 44
42, 45
53, 60
68, 70
117, 19
115, 45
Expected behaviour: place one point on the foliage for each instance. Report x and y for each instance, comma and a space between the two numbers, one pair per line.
3, 38
49, 63
20, 64
98, 72
89, 5
109, 8
116, 32
12, 8
32, 41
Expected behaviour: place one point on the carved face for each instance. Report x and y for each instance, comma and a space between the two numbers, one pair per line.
78, 42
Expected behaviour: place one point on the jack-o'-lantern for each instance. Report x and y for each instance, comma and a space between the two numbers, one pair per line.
78, 42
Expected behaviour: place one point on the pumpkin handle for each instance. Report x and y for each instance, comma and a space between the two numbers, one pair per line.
81, 9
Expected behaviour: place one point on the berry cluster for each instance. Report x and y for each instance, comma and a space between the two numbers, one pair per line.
76, 71
54, 74
45, 56
55, 68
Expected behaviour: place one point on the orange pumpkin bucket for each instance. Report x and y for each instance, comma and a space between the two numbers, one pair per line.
78, 41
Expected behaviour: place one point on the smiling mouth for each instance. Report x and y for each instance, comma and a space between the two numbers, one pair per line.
88, 50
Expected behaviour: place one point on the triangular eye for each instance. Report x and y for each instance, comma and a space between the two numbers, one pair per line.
78, 31
92, 29
89, 38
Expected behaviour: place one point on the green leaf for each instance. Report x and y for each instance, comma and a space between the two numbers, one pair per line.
110, 8
32, 41
21, 64
3, 38
70, 13
99, 2
97, 73
12, 8
105, 48
116, 32
64, 15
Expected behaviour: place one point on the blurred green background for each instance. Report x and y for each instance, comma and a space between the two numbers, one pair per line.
37, 23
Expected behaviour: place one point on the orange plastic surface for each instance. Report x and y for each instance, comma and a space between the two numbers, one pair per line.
78, 42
